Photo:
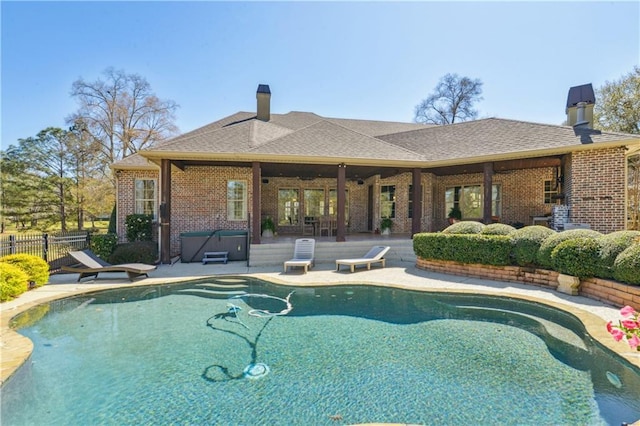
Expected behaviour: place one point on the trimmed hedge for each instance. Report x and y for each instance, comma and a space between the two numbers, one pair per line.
112, 221
13, 281
486, 249
103, 244
497, 229
626, 268
139, 227
581, 252
611, 245
136, 252
547, 246
577, 256
464, 227
526, 243
36, 268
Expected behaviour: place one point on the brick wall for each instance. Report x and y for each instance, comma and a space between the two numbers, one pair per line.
611, 292
125, 196
598, 189
198, 199
596, 195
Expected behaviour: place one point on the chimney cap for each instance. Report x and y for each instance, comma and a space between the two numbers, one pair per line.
263, 88
583, 93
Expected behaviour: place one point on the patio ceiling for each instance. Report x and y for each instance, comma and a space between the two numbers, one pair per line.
313, 171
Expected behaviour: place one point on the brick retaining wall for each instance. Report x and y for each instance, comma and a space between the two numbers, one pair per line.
607, 291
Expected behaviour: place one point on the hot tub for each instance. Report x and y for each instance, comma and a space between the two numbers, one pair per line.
193, 245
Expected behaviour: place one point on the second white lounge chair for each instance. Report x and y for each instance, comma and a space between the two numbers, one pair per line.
303, 254
375, 255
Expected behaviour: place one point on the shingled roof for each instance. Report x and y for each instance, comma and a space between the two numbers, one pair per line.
305, 135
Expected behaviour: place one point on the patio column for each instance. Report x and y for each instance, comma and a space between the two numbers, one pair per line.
340, 232
416, 218
255, 218
165, 211
488, 191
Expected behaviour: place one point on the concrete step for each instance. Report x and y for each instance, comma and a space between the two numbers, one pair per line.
327, 252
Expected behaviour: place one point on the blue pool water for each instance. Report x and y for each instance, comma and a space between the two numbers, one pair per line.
192, 354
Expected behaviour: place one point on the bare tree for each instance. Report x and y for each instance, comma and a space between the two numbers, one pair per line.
451, 101
122, 114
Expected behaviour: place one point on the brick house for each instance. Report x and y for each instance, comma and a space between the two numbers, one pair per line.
298, 167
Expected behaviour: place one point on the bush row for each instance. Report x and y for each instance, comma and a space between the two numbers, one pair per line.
580, 252
20, 271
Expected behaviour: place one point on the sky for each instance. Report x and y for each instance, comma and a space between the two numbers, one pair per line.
364, 60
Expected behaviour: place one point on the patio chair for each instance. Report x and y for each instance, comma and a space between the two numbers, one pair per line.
92, 265
303, 254
375, 255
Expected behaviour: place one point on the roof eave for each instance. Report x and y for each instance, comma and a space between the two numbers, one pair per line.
156, 156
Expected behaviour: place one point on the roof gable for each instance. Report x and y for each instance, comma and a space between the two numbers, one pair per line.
327, 139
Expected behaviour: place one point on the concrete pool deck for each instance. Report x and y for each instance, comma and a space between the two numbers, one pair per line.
15, 349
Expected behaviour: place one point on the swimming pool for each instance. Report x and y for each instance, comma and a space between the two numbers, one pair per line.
192, 354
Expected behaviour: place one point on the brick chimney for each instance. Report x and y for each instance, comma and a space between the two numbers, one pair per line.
263, 95
580, 102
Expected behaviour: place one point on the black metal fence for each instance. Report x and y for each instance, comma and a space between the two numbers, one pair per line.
52, 247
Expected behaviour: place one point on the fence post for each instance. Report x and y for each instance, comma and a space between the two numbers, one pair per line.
45, 246
12, 244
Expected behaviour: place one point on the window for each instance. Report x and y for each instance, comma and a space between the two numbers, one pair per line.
288, 206
313, 202
388, 201
333, 203
550, 190
469, 200
236, 200
145, 197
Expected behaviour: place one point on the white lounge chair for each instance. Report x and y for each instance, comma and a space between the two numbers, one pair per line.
92, 265
303, 254
375, 255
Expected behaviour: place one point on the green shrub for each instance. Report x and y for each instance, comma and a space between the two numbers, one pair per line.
13, 281
577, 256
626, 268
103, 244
112, 221
486, 249
526, 243
465, 227
544, 253
497, 229
136, 252
611, 245
36, 268
139, 227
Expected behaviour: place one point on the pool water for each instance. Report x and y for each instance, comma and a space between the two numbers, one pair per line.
192, 354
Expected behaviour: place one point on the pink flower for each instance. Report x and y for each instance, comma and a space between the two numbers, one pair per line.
617, 334
630, 324
634, 342
609, 327
627, 311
